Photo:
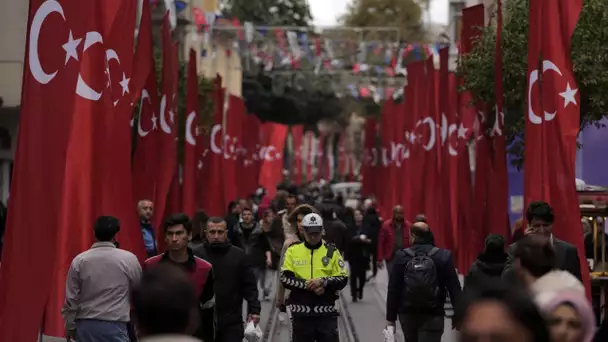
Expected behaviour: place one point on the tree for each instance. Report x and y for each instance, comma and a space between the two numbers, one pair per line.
403, 14
269, 12
589, 58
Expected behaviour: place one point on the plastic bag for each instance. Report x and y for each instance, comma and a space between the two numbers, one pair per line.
253, 332
389, 334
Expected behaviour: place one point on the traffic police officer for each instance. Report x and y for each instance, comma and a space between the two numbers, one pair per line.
315, 273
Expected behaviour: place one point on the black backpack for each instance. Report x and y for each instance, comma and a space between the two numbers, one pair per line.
421, 290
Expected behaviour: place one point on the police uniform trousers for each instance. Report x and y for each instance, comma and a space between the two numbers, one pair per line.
315, 329
232, 333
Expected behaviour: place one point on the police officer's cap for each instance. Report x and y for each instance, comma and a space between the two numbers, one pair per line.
312, 223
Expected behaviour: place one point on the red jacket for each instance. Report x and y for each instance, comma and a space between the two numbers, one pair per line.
386, 239
201, 275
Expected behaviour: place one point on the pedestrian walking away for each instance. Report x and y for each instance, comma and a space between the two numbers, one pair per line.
417, 287
97, 292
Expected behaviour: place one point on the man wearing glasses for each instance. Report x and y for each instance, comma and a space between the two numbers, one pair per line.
540, 218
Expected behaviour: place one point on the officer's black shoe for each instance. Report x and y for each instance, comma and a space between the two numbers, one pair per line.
354, 299
360, 295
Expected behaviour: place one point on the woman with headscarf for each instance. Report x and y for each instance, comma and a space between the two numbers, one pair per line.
272, 238
489, 264
498, 312
569, 317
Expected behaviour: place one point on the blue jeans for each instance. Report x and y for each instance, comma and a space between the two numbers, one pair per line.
90, 330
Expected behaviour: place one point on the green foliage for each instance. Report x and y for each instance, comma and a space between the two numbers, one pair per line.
269, 12
589, 58
402, 14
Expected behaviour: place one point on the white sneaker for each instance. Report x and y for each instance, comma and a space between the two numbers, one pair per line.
282, 317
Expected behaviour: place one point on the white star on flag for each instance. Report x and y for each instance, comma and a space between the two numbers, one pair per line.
70, 48
569, 95
462, 132
124, 84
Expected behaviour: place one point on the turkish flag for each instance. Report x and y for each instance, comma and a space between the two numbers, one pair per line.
250, 161
472, 19
417, 134
190, 133
232, 168
449, 153
211, 179
72, 116
370, 158
297, 134
385, 190
553, 123
498, 201
271, 168
321, 156
144, 54
145, 157
167, 148
309, 139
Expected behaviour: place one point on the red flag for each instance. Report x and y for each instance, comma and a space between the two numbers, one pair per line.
448, 129
370, 158
271, 169
145, 157
211, 179
144, 55
297, 135
472, 18
250, 162
310, 152
167, 148
498, 201
321, 156
553, 123
232, 167
418, 136
191, 130
449, 154
72, 116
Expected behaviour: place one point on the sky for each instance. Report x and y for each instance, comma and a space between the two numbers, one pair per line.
325, 12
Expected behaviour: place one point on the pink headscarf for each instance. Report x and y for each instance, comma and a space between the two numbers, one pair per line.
582, 307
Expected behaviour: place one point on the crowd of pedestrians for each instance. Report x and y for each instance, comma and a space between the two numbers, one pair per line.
308, 245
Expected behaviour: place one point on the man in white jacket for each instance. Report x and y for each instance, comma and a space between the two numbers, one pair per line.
535, 265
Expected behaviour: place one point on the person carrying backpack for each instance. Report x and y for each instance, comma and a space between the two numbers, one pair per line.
417, 288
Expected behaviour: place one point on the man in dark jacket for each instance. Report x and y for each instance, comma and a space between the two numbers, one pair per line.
372, 225
424, 324
234, 281
540, 217
489, 264
336, 232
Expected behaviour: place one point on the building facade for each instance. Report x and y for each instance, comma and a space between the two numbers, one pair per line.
13, 30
